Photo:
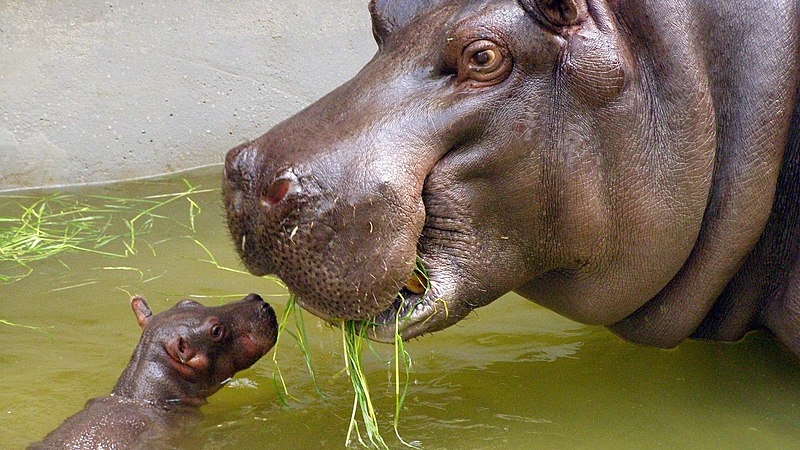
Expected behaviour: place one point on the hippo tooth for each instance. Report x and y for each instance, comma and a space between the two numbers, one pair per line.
414, 284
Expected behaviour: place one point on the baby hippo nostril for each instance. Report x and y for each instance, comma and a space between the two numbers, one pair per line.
275, 192
254, 297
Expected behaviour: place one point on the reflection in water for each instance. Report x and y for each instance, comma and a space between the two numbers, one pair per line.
511, 375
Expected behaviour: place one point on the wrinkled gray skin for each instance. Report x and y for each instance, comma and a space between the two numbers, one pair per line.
628, 163
185, 354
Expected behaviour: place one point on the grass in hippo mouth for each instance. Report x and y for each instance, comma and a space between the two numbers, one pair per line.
408, 298
353, 339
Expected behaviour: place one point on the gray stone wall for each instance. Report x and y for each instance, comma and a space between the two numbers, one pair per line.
94, 91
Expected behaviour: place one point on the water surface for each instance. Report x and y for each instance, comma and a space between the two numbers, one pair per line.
512, 375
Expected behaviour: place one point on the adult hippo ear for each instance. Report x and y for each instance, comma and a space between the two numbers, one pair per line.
557, 13
390, 15
595, 64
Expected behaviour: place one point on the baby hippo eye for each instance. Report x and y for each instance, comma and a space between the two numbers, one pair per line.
216, 332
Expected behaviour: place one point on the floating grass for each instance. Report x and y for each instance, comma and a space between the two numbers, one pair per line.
50, 225
12, 324
213, 260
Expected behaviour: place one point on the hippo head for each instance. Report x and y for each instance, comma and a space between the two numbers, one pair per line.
189, 351
485, 139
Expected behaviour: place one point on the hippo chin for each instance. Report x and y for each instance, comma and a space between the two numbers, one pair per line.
629, 163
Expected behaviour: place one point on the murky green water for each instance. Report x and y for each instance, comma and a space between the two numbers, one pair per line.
513, 375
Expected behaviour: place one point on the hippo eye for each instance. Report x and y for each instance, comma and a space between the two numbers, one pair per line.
484, 62
484, 58
216, 332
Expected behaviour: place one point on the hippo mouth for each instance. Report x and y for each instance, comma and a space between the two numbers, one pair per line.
414, 306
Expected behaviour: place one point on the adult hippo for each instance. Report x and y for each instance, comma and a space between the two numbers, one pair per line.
629, 163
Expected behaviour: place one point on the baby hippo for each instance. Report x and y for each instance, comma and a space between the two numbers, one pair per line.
185, 354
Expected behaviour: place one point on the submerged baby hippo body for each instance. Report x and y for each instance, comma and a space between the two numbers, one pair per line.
185, 354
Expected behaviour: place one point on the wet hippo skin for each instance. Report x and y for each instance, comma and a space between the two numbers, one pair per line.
627, 163
184, 355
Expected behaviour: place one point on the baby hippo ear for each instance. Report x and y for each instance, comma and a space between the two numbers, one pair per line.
179, 349
186, 359
141, 310
558, 13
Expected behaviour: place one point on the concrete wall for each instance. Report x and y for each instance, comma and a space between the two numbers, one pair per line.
96, 90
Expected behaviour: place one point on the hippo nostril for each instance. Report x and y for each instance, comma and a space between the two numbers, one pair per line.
254, 297
275, 192
233, 160
239, 169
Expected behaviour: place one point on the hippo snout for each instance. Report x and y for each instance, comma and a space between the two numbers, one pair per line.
300, 210
264, 310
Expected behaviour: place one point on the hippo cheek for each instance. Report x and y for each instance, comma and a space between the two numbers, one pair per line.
259, 338
466, 244
249, 349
